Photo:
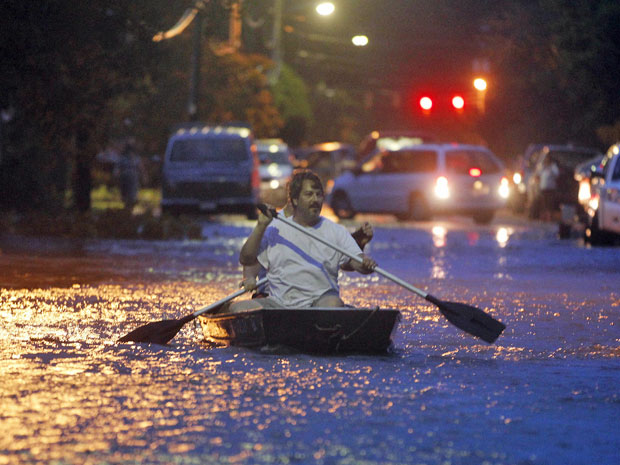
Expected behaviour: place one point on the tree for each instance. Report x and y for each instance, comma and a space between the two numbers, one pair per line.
63, 64
555, 63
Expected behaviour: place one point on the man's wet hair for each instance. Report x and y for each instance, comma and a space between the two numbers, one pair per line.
297, 180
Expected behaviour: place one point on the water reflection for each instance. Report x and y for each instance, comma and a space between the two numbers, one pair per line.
71, 395
503, 235
439, 236
472, 238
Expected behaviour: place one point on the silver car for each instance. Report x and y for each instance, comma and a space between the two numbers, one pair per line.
420, 181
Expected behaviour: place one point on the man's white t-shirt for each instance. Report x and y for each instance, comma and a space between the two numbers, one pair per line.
301, 269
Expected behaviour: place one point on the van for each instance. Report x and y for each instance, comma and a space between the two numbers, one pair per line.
211, 169
418, 181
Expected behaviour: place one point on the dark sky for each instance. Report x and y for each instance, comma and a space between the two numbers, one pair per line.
410, 40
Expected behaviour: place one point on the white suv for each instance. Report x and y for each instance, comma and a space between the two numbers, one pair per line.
418, 181
604, 205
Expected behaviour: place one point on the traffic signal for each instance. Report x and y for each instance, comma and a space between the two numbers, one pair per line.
426, 103
440, 104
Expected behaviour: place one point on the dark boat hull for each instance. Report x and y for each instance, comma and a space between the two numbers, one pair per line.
308, 330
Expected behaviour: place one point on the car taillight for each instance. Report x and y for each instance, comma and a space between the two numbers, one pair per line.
475, 172
255, 178
442, 190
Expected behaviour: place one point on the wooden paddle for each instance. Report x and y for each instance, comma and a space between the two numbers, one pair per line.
466, 317
160, 332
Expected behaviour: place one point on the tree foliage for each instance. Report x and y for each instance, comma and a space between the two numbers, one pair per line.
63, 63
79, 74
555, 61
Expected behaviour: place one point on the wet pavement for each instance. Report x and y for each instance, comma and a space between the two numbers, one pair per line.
545, 393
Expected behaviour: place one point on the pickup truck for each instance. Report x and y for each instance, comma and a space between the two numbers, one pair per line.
603, 209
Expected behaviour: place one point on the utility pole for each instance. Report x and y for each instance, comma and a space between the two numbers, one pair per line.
194, 84
234, 26
276, 51
196, 15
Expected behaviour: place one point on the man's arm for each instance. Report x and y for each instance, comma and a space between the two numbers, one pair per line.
367, 266
250, 273
362, 235
249, 251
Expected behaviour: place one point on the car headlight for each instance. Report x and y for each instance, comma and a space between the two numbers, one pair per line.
504, 188
274, 170
584, 192
442, 190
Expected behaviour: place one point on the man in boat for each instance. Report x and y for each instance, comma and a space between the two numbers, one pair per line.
362, 235
301, 271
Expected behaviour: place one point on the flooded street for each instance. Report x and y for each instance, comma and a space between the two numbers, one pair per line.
547, 392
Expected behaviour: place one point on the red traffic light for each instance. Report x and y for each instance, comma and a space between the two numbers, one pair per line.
426, 103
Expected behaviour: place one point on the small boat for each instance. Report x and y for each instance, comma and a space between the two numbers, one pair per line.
307, 330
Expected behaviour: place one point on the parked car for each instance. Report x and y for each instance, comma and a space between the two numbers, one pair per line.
523, 170
275, 169
419, 181
566, 157
210, 169
328, 160
583, 176
604, 205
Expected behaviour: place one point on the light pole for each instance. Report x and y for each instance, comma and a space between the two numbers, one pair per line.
480, 84
6, 115
190, 15
323, 9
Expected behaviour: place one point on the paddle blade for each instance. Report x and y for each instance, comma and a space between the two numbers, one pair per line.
470, 319
158, 332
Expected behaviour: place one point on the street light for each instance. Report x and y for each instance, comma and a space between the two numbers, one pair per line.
325, 8
360, 41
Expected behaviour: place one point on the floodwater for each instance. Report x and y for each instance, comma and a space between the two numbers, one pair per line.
548, 392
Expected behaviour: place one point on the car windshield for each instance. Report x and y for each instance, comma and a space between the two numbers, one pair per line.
462, 161
395, 143
570, 158
209, 150
280, 157
410, 161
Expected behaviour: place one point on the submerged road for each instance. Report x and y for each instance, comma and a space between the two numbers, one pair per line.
545, 393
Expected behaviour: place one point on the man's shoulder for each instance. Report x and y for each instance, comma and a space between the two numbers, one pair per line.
334, 230
326, 223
